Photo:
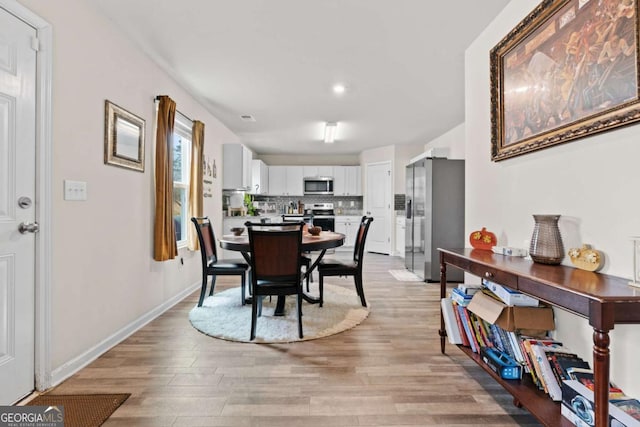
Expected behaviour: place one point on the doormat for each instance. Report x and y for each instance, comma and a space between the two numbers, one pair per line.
82, 410
405, 276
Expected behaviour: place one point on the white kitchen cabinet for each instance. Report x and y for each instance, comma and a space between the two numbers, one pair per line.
347, 225
277, 180
295, 184
347, 181
315, 171
236, 166
259, 177
286, 180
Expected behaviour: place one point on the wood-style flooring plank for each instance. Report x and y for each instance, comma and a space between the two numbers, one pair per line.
388, 371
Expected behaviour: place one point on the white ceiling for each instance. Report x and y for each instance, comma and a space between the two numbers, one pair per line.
277, 60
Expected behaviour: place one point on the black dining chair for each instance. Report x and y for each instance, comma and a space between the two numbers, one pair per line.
334, 267
211, 265
275, 265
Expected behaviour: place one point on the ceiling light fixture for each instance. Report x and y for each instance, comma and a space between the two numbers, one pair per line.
330, 129
339, 89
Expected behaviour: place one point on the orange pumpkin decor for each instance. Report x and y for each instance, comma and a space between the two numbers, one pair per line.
482, 239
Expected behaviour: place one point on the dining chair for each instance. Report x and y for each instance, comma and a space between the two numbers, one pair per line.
334, 267
211, 265
275, 265
306, 261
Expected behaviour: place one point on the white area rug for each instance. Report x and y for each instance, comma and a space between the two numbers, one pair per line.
404, 276
222, 316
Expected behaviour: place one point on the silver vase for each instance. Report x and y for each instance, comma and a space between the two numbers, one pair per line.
546, 243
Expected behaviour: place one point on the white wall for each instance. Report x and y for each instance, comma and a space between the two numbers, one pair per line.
591, 182
452, 140
403, 154
104, 276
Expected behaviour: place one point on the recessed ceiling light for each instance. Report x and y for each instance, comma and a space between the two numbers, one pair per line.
339, 89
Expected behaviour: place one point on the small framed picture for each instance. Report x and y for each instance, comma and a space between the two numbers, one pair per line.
123, 138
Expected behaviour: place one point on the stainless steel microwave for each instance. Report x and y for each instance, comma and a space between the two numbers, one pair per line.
318, 185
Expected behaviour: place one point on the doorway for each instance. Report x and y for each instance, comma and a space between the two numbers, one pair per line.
378, 194
25, 201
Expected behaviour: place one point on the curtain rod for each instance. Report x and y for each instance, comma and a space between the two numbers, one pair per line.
157, 98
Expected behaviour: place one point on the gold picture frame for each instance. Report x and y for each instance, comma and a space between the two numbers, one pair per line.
566, 71
123, 138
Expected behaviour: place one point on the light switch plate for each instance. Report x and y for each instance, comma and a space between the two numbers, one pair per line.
75, 190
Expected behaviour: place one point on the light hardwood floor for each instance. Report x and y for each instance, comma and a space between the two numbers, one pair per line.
388, 371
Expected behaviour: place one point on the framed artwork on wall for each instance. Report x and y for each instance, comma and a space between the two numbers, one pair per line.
566, 71
123, 138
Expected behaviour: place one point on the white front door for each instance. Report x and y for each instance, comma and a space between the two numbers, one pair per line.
17, 207
378, 205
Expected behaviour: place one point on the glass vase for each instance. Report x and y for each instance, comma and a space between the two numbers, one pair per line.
546, 243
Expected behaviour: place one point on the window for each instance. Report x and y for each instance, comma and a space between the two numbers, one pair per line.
181, 170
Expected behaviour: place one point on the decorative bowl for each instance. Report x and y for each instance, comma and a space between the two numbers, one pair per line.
237, 231
315, 231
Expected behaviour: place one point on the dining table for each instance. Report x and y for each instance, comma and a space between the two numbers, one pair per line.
318, 244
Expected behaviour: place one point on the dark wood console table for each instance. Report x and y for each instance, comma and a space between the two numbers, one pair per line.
602, 299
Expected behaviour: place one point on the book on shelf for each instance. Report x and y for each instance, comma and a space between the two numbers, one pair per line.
527, 360
497, 340
579, 408
560, 361
486, 330
585, 377
450, 324
466, 323
506, 341
478, 330
528, 344
463, 334
551, 384
460, 297
515, 345
469, 289
629, 406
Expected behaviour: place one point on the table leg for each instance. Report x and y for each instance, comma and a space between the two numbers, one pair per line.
601, 376
247, 258
443, 294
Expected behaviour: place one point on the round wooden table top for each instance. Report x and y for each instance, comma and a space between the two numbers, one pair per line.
326, 240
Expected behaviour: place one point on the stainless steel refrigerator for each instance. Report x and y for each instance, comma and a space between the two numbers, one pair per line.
434, 215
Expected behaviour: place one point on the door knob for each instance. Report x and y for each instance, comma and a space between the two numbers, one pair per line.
28, 227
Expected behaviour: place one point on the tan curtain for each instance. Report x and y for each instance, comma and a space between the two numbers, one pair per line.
195, 181
164, 234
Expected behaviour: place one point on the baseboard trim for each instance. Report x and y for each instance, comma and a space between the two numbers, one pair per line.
71, 367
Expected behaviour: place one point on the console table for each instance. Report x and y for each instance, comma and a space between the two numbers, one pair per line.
602, 299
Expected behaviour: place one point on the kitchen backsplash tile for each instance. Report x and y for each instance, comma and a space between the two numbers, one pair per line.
342, 205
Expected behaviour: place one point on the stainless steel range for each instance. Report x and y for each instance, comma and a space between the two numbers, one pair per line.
323, 215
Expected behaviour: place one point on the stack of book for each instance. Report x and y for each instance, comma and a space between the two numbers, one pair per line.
551, 365
578, 407
456, 316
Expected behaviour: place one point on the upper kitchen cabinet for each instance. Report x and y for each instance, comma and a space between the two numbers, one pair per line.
347, 181
260, 177
315, 171
236, 166
286, 180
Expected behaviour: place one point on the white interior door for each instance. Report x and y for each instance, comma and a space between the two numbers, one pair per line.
17, 208
378, 205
